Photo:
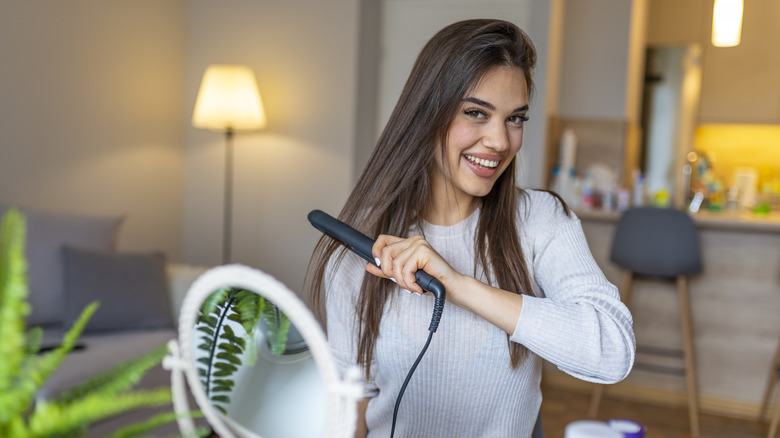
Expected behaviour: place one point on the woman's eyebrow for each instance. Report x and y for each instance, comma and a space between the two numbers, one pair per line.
480, 102
490, 106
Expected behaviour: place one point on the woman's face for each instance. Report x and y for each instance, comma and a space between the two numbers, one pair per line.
484, 137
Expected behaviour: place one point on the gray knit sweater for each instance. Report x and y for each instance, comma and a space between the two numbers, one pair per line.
464, 385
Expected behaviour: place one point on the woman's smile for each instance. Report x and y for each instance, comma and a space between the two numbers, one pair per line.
481, 166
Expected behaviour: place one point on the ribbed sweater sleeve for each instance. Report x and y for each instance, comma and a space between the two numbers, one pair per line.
579, 324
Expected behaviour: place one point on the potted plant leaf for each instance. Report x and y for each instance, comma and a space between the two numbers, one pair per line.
24, 368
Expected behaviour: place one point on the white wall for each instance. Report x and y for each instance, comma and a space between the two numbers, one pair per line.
91, 112
304, 54
596, 58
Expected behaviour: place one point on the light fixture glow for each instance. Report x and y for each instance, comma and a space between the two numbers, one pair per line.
228, 99
727, 23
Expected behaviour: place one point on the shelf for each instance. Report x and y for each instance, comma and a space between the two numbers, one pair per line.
740, 221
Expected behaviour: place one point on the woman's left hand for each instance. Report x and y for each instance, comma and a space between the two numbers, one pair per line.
400, 258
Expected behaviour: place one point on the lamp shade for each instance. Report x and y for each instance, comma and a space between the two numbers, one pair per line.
727, 23
228, 99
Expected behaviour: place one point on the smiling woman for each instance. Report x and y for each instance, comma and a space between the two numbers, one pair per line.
439, 194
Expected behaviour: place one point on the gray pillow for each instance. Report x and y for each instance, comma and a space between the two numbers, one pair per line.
47, 233
132, 289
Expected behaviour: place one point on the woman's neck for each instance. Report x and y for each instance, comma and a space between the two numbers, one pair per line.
450, 210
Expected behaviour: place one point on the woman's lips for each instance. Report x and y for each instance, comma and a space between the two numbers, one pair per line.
482, 167
484, 162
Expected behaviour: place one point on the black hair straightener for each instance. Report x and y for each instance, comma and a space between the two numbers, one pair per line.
361, 245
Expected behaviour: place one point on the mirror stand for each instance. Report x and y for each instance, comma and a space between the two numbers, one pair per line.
342, 395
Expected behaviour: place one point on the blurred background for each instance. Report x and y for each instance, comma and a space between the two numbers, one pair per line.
633, 105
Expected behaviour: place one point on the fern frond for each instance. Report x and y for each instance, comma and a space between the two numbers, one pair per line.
278, 325
230, 348
32, 347
51, 417
212, 301
44, 366
23, 371
228, 334
229, 357
206, 329
138, 429
120, 378
13, 299
248, 308
227, 349
30, 380
33, 340
211, 325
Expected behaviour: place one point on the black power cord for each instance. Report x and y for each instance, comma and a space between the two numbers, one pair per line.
361, 245
438, 308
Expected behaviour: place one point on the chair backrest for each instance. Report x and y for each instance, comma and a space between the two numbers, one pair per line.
659, 242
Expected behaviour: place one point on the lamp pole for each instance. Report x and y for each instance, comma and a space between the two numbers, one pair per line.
227, 220
228, 100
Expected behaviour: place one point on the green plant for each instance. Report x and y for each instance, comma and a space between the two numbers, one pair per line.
225, 348
24, 368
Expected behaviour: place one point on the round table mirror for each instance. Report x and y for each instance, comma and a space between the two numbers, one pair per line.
256, 361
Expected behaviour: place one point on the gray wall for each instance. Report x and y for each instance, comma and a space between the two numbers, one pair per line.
92, 112
602, 59
304, 54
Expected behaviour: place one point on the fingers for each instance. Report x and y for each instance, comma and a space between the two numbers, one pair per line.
399, 259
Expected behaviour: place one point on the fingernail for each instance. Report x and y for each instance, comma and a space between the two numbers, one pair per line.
376, 259
393, 280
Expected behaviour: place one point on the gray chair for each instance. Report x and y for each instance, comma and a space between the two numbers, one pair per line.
661, 243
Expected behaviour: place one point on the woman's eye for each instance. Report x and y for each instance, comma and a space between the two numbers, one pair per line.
518, 119
477, 114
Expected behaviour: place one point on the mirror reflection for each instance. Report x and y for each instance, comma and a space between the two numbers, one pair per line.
669, 115
255, 367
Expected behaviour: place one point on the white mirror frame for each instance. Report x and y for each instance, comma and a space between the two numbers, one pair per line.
342, 395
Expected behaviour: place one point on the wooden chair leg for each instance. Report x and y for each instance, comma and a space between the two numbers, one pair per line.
770, 385
598, 390
775, 420
595, 400
625, 287
686, 326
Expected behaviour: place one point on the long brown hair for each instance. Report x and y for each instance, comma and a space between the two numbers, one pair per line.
393, 191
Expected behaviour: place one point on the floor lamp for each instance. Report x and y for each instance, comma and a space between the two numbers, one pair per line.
228, 101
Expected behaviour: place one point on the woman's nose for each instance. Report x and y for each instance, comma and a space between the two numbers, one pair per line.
496, 137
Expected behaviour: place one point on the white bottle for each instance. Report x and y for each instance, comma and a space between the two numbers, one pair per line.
590, 429
639, 198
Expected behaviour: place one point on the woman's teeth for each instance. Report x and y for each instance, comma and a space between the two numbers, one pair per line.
482, 162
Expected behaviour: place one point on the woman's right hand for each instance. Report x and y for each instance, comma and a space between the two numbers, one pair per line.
400, 258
